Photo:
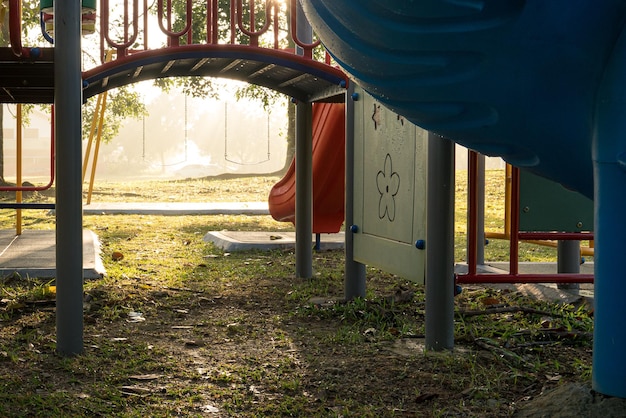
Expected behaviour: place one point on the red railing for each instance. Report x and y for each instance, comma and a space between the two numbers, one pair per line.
15, 27
22, 188
514, 276
266, 23
127, 40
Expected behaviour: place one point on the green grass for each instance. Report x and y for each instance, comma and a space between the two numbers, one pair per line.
239, 334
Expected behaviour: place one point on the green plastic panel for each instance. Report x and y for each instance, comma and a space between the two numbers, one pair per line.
548, 206
390, 190
88, 6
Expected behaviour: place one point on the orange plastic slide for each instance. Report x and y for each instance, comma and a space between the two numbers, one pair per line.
329, 127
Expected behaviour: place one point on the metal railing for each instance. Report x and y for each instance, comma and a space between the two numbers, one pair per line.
268, 23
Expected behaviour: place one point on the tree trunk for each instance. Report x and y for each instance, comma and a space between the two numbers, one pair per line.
291, 136
2, 181
4, 41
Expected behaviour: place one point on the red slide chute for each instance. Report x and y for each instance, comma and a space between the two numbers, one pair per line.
329, 127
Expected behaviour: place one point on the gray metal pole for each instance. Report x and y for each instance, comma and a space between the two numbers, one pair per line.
69, 216
304, 190
354, 284
480, 206
480, 209
440, 244
304, 166
304, 32
568, 261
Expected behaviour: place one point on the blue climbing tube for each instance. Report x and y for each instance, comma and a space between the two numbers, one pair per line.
539, 83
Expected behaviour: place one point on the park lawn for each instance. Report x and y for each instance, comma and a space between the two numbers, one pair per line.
180, 328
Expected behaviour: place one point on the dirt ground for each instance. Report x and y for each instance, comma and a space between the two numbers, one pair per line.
253, 347
178, 328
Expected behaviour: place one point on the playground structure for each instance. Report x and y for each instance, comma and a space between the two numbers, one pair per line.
540, 84
514, 233
491, 126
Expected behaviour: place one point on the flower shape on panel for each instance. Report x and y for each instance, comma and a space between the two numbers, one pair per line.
388, 183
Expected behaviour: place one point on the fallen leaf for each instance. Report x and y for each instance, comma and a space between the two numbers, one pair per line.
193, 343
13, 306
135, 391
426, 397
117, 256
135, 317
546, 322
488, 301
210, 409
151, 376
369, 334
403, 296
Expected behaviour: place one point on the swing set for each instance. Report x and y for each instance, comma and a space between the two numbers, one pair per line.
98, 120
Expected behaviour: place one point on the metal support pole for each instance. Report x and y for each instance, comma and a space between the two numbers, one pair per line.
440, 244
69, 216
304, 166
304, 32
304, 190
609, 153
480, 207
18, 167
354, 284
568, 261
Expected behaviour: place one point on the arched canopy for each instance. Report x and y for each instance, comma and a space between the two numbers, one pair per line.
31, 79
301, 78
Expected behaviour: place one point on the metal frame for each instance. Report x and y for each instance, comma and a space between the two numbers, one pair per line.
69, 210
355, 279
515, 236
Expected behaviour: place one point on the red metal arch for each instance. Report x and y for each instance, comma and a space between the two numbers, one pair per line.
301, 78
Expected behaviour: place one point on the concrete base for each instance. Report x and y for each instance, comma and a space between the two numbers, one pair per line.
265, 241
33, 254
177, 208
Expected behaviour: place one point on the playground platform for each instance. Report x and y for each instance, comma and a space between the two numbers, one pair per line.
33, 254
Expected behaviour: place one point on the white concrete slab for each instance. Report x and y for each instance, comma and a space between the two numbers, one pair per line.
33, 253
248, 240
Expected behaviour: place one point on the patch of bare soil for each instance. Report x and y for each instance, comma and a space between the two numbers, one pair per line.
178, 329
573, 400
248, 348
